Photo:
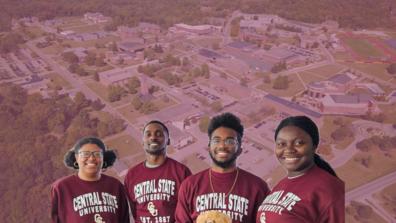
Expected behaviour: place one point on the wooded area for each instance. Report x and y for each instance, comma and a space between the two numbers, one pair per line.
35, 134
349, 13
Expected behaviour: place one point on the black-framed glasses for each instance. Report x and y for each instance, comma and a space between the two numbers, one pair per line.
227, 142
87, 154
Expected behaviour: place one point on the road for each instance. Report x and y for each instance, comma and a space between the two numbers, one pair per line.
80, 86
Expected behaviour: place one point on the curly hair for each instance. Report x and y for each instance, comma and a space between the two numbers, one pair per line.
227, 120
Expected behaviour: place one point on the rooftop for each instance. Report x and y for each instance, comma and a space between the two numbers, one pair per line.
209, 53
351, 99
340, 78
293, 106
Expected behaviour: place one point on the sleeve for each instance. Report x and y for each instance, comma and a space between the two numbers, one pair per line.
263, 192
335, 213
124, 210
54, 205
187, 173
132, 204
183, 208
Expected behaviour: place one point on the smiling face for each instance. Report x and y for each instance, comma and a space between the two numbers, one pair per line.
155, 139
224, 147
294, 150
90, 160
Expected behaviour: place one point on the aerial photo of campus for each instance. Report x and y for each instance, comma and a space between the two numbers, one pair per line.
88, 70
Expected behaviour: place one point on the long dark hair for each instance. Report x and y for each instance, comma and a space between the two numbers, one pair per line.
109, 156
308, 126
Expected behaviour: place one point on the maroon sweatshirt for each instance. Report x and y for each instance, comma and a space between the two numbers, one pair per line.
199, 194
315, 197
152, 192
74, 200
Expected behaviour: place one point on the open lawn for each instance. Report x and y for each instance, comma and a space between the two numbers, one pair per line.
295, 86
375, 70
309, 77
98, 88
125, 145
341, 56
91, 43
326, 71
207, 42
356, 174
54, 49
70, 22
57, 80
329, 127
390, 113
86, 28
129, 113
387, 198
352, 216
363, 47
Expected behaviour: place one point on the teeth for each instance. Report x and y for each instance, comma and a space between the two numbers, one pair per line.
91, 164
291, 159
153, 145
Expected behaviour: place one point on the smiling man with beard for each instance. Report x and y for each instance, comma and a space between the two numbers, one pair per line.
153, 185
224, 187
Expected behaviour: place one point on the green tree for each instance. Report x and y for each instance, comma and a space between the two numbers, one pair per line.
70, 57
216, 106
136, 102
115, 93
204, 123
281, 83
391, 68
133, 84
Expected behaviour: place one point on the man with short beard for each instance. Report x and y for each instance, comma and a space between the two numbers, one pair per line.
223, 187
152, 185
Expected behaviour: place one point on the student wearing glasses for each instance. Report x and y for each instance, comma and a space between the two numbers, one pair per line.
223, 187
89, 195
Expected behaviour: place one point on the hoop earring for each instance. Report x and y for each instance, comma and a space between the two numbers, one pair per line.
75, 164
104, 166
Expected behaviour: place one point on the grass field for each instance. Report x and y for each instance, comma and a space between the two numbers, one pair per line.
372, 217
326, 71
375, 70
386, 198
342, 56
125, 145
309, 77
356, 174
58, 80
295, 86
363, 48
329, 127
130, 113
91, 43
390, 113
98, 88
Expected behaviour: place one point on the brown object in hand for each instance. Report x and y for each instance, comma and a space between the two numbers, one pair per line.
213, 217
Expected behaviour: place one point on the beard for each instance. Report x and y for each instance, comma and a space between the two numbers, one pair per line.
154, 150
224, 164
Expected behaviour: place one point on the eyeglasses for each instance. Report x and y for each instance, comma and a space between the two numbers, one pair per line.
227, 142
87, 154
